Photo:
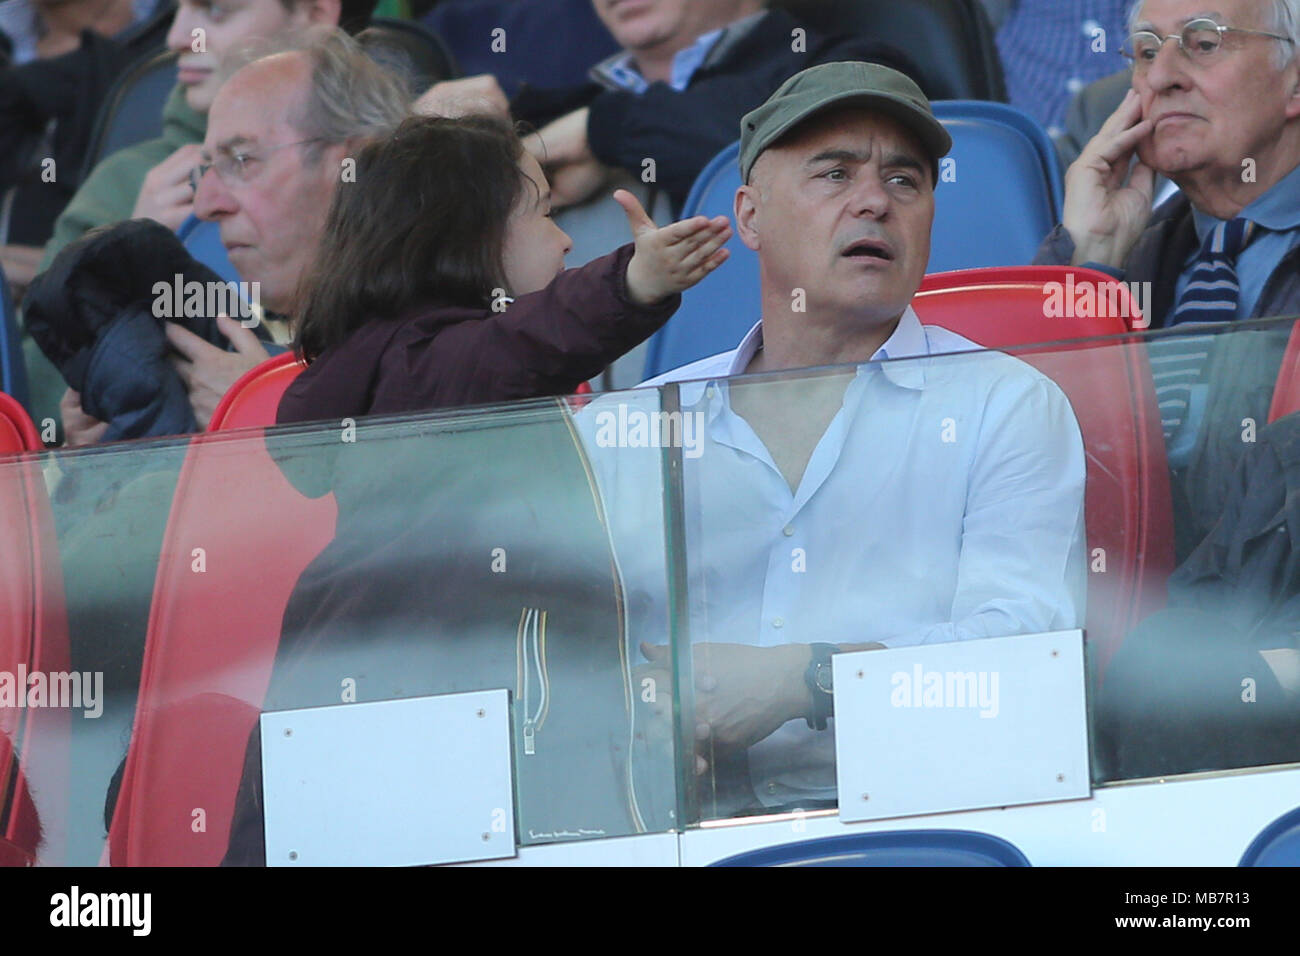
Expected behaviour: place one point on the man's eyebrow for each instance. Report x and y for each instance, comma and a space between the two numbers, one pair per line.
838, 156
905, 160
1146, 26
226, 145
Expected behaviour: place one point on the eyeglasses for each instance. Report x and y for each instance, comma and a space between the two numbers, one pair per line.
238, 166
1201, 40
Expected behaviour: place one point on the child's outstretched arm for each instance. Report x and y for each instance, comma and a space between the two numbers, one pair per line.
672, 259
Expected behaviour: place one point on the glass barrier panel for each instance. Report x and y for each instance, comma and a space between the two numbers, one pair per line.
658, 578
210, 580
1132, 486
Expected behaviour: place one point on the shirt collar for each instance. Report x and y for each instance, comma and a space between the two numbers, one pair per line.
908, 340
621, 72
1278, 210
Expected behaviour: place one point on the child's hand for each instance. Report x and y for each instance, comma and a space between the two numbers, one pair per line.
674, 258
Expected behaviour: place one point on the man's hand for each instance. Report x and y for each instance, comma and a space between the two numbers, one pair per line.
207, 371
473, 94
20, 264
1104, 216
166, 195
78, 428
742, 693
574, 172
674, 258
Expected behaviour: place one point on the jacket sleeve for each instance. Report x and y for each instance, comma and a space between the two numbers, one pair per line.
683, 130
545, 343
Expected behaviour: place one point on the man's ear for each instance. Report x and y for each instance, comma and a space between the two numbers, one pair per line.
326, 12
1293, 101
746, 209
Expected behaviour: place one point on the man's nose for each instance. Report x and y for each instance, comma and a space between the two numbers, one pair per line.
212, 199
180, 36
869, 196
1169, 70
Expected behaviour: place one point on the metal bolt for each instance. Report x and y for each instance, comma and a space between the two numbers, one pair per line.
1056, 653
482, 712
866, 796
288, 731
293, 854
861, 674
1060, 778
486, 837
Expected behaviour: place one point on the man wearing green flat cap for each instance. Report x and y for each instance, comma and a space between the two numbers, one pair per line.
833, 512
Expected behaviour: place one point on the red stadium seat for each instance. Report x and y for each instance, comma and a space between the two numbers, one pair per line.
212, 638
17, 433
1128, 510
1286, 394
252, 401
33, 638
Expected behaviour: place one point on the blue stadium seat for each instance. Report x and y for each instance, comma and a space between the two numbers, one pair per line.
1278, 844
203, 241
13, 373
1005, 196
891, 848
132, 109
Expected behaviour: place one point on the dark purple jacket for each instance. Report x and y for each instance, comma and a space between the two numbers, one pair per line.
544, 343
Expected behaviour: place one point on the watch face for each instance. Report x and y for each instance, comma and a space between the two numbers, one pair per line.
825, 677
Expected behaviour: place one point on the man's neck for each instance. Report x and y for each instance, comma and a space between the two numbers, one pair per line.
792, 342
656, 63
1224, 193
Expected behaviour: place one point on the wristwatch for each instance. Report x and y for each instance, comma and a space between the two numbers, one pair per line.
821, 683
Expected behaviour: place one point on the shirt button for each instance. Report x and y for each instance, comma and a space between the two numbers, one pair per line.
787, 531
778, 622
771, 788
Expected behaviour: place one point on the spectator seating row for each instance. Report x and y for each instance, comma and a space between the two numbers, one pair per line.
238, 505
233, 498
999, 196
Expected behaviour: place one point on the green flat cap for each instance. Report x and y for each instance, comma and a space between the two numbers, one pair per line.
819, 88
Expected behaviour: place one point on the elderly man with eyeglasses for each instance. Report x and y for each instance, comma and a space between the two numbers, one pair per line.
1215, 107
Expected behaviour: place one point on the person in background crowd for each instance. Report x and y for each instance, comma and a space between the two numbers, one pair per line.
1215, 107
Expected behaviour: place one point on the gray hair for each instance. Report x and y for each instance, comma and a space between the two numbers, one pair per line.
1285, 21
351, 96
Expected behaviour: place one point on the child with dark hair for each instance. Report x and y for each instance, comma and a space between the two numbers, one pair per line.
439, 280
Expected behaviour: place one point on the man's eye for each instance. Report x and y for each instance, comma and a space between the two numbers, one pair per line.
836, 175
903, 179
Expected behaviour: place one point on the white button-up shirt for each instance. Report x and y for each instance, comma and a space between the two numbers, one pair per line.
943, 502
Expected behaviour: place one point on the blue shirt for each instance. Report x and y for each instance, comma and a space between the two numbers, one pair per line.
943, 502
621, 71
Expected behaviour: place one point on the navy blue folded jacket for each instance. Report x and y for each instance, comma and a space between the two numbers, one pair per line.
92, 312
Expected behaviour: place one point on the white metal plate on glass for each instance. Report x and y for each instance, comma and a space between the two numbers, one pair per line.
389, 783
961, 726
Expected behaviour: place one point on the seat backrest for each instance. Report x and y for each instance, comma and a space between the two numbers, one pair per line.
252, 401
1128, 509
1286, 394
33, 638
889, 848
132, 109
1278, 844
1001, 193
202, 240
210, 646
994, 203
13, 371
426, 56
951, 41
